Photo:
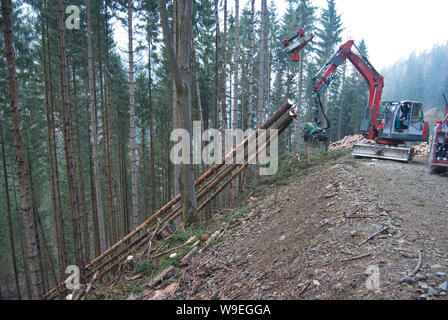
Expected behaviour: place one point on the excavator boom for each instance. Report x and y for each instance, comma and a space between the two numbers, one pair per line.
404, 120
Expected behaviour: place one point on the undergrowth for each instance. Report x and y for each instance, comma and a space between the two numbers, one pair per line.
290, 167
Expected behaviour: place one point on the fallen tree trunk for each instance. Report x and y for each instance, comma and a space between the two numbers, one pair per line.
166, 274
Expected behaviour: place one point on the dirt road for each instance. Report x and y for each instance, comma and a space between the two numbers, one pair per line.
306, 241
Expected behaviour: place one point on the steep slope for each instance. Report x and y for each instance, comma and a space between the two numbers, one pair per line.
305, 239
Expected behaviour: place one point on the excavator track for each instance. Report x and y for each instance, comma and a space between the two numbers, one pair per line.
379, 151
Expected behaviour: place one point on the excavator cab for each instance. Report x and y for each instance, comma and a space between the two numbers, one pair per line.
403, 121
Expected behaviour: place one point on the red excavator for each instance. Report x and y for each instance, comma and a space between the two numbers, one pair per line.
438, 158
403, 121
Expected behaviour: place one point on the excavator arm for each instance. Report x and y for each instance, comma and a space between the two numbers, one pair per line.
404, 121
375, 83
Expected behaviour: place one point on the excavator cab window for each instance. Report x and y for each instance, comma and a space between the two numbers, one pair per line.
402, 121
417, 113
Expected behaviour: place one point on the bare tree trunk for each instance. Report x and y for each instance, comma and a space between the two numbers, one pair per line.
217, 68
180, 69
175, 101
223, 88
234, 184
341, 107
151, 132
62, 249
135, 209
56, 214
111, 235
23, 249
96, 232
46, 261
68, 142
299, 102
261, 83
31, 237
251, 76
94, 130
113, 216
198, 99
84, 216
40, 235
122, 187
8, 210
144, 178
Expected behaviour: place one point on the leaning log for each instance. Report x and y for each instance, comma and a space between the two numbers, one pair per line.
280, 112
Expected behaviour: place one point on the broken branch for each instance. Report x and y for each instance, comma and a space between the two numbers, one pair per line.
166, 274
419, 264
374, 235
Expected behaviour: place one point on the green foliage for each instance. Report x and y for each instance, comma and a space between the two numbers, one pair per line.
290, 168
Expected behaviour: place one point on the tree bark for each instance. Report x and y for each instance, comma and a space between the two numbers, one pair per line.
31, 237
299, 102
50, 124
122, 184
223, 88
62, 249
8, 210
175, 101
110, 217
151, 132
261, 80
135, 207
68, 140
84, 215
199, 102
217, 68
233, 185
251, 76
342, 102
109, 133
94, 215
94, 130
261, 83
180, 69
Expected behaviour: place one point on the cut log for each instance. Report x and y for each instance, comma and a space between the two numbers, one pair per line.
210, 240
185, 260
166, 274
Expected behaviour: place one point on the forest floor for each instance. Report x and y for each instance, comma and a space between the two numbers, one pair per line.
305, 238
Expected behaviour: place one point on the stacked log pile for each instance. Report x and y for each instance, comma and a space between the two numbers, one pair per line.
348, 142
423, 149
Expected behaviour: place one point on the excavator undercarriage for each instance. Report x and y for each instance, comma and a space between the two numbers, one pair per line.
381, 151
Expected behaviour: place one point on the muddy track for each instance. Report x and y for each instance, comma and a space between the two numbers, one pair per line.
305, 241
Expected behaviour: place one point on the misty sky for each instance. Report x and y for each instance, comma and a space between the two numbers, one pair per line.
392, 29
